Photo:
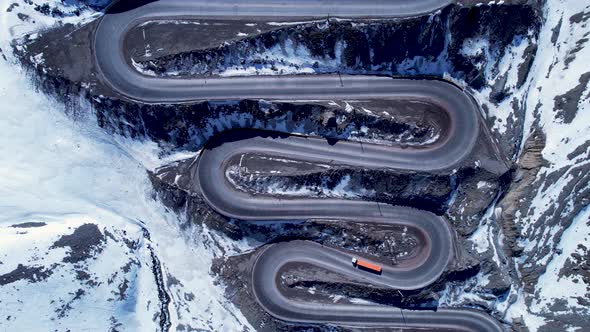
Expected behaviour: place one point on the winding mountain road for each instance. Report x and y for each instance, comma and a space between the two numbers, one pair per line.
458, 142
117, 72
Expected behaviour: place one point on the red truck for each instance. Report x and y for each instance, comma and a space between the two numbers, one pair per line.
364, 265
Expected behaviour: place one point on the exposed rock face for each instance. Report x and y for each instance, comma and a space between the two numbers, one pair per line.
85, 242
30, 273
528, 167
566, 105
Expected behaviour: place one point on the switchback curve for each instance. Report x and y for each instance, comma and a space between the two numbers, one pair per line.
118, 74
429, 263
432, 258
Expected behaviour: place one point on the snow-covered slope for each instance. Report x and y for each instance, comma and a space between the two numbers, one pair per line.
62, 268
105, 254
555, 221
543, 220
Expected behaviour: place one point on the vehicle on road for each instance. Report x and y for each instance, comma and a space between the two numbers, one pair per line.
363, 265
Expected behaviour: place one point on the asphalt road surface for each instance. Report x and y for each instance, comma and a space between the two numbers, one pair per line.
436, 247
117, 72
436, 251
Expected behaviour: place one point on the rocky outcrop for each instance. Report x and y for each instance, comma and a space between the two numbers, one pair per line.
525, 174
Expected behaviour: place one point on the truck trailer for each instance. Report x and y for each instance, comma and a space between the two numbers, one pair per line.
364, 265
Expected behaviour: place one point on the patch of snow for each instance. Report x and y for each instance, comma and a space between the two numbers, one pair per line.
176, 22
483, 184
341, 190
506, 66
519, 310
38, 59
288, 59
15, 28
474, 47
141, 68
551, 285
360, 301
293, 23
